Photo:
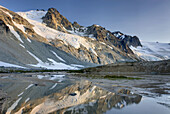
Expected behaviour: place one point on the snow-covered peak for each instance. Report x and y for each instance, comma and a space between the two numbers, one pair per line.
35, 18
33, 15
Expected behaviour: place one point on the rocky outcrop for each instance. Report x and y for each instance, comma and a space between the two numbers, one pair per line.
76, 25
132, 41
101, 34
3, 99
78, 28
3, 28
55, 20
127, 39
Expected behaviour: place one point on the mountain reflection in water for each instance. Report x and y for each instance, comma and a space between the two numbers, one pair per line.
82, 97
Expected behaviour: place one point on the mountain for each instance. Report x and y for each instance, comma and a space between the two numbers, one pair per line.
47, 39
22, 47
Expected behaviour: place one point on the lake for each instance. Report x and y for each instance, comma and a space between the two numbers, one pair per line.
65, 93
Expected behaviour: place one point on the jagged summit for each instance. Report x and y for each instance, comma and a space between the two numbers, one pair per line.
76, 25
128, 39
57, 21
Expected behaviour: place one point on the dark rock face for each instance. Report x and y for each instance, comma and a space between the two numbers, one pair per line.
101, 34
127, 39
78, 28
76, 25
3, 97
132, 41
55, 20
3, 28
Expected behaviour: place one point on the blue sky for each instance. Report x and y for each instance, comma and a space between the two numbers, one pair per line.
147, 19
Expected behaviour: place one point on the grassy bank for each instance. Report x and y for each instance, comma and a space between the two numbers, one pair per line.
38, 70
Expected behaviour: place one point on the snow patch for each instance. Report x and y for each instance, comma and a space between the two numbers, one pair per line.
15, 33
29, 40
40, 76
20, 94
56, 77
60, 80
75, 65
22, 45
54, 86
58, 56
50, 65
13, 106
29, 86
51, 77
9, 65
83, 34
92, 50
4, 77
34, 56
27, 100
20, 26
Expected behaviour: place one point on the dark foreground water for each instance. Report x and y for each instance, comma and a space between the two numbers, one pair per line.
63, 93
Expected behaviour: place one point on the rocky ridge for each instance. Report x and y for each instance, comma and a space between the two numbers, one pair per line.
100, 34
55, 20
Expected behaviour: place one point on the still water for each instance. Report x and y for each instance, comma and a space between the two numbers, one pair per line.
62, 93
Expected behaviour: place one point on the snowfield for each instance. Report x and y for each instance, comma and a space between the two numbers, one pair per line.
152, 51
51, 64
34, 17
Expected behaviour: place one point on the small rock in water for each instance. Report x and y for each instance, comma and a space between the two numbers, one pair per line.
73, 94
